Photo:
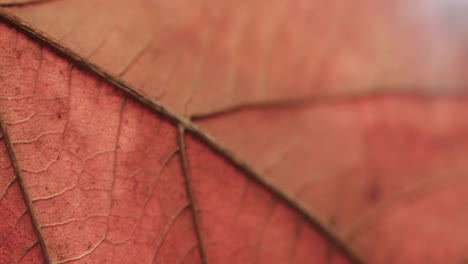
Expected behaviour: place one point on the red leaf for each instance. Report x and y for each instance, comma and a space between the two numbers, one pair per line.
103, 182
107, 180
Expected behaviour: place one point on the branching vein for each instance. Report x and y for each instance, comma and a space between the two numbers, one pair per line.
27, 199
193, 206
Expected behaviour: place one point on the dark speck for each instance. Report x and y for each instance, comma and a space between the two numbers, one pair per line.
374, 192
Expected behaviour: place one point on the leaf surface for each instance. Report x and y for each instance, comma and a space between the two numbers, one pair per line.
355, 132
99, 177
199, 57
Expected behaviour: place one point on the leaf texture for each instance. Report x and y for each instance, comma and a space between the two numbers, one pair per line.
200, 57
19, 242
357, 133
102, 179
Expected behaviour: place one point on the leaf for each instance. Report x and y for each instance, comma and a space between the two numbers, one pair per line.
199, 57
345, 180
102, 180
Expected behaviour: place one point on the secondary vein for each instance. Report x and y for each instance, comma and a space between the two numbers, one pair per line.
188, 185
27, 198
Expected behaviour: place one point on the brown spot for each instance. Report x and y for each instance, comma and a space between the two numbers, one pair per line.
374, 192
19, 54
